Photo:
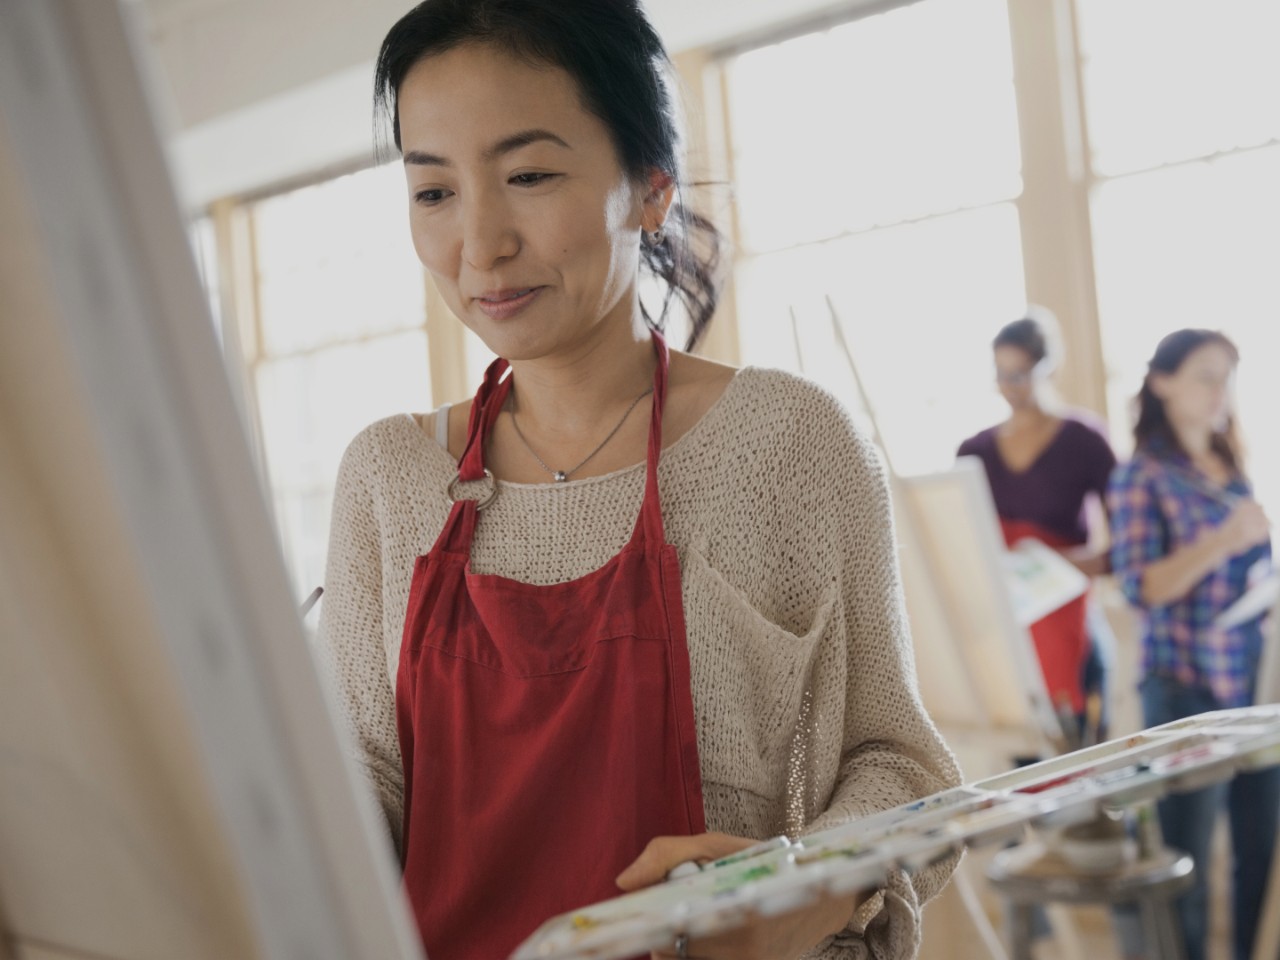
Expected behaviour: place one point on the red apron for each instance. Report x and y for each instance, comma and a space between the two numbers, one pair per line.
547, 732
1061, 637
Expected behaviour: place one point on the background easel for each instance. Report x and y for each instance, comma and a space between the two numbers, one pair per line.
977, 668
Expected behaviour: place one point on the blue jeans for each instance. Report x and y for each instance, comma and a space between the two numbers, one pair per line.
1252, 801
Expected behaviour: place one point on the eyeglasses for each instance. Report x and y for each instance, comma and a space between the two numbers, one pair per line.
1014, 378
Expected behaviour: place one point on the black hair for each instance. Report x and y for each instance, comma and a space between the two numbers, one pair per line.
1152, 428
1028, 335
623, 75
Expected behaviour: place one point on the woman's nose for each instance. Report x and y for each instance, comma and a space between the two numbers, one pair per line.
488, 234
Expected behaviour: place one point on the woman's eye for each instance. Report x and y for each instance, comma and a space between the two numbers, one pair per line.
430, 197
531, 179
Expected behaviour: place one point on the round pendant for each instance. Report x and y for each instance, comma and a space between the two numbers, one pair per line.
561, 476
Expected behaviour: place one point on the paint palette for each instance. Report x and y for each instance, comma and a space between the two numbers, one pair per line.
1174, 758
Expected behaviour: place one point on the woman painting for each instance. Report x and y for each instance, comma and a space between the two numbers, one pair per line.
625, 608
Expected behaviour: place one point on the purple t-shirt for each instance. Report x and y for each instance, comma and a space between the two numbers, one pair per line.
1051, 492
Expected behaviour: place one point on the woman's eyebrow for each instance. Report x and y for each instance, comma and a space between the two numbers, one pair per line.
523, 139
504, 146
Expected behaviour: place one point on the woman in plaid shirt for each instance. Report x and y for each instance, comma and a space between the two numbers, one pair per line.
1187, 540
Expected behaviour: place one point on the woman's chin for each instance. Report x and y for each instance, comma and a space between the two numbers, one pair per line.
516, 342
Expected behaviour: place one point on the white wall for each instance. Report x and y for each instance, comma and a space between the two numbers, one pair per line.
258, 92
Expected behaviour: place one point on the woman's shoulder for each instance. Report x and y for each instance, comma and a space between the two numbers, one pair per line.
795, 420
980, 443
1141, 468
387, 442
1086, 426
774, 397
1083, 440
772, 393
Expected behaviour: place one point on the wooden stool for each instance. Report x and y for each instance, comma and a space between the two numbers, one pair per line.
1030, 875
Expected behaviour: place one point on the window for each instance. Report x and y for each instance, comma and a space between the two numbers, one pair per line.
1183, 108
339, 340
878, 163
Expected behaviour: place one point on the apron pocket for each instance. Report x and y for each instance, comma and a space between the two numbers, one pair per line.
757, 669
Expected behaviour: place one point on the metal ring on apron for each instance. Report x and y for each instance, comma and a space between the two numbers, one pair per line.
483, 501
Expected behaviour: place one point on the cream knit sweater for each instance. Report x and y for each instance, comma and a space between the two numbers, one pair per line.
804, 684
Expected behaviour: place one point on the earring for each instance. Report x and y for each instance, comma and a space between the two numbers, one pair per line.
655, 237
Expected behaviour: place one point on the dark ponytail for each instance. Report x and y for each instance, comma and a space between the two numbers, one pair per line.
1035, 335
1152, 428
624, 75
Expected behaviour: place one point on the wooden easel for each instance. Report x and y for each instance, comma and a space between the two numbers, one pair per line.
171, 779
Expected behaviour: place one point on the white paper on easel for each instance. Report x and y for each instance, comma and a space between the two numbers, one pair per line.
1040, 580
1257, 601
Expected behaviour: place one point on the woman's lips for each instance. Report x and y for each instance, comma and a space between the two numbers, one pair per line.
504, 304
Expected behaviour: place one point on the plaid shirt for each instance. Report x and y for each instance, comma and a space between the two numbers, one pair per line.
1158, 502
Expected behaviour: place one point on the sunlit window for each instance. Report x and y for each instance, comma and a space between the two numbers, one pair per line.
340, 340
878, 163
1183, 101
1170, 80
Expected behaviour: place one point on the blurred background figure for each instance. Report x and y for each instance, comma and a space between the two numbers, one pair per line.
1188, 540
1046, 463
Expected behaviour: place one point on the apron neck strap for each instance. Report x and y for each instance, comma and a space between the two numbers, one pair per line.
484, 414
649, 524
492, 395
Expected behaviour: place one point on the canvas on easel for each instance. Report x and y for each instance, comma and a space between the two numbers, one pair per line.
956, 530
172, 783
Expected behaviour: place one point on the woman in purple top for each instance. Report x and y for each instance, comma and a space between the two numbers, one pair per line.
1044, 464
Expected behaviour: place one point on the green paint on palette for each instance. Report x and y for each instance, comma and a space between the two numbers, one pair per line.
737, 879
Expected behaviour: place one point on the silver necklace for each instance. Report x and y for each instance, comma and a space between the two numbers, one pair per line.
560, 476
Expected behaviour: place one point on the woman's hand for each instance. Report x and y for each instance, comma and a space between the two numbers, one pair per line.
1171, 578
663, 853
1088, 560
1245, 527
782, 937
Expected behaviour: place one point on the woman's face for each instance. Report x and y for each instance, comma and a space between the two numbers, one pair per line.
519, 206
1016, 376
1197, 396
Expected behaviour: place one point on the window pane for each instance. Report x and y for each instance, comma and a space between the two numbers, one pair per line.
1170, 80
1196, 246
311, 406
335, 262
919, 304
888, 118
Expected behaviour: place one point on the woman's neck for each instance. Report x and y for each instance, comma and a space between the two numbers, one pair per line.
1196, 441
571, 393
1029, 417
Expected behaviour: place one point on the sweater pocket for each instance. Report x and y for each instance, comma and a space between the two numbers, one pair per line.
749, 678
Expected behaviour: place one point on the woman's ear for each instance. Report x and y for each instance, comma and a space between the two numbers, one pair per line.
661, 191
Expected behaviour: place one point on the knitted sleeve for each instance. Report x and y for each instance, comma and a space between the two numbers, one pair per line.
892, 752
350, 635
